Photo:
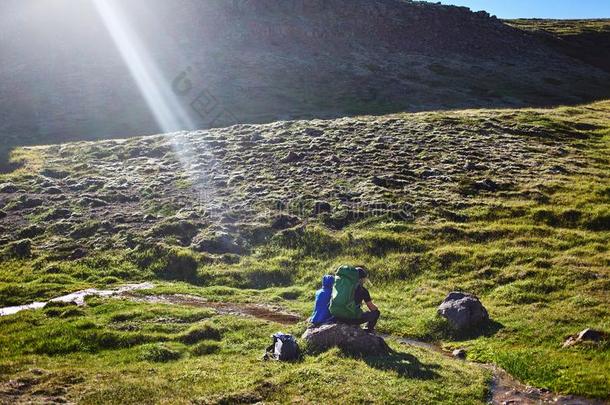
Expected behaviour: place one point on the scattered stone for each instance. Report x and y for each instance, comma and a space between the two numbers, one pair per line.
459, 354
463, 311
255, 137
20, 249
349, 338
428, 173
388, 182
183, 229
61, 227
313, 132
30, 232
292, 157
590, 335
58, 213
55, 174
558, 170
3, 214
77, 253
284, 222
27, 202
92, 202
235, 179
219, 243
8, 188
471, 166
320, 207
86, 230
53, 190
487, 185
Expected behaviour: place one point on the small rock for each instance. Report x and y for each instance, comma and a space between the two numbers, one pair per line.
469, 166
27, 202
459, 354
558, 170
53, 191
218, 243
58, 213
31, 232
349, 338
314, 132
284, 222
21, 249
86, 230
235, 179
8, 188
149, 218
77, 253
588, 334
255, 137
55, 174
92, 202
292, 157
3, 214
428, 173
487, 185
321, 207
463, 311
388, 182
591, 334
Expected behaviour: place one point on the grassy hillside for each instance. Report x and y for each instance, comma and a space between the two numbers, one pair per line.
586, 40
256, 62
512, 205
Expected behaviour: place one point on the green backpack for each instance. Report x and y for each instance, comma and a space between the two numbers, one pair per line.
342, 303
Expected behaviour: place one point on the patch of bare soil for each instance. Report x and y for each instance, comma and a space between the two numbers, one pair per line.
37, 386
259, 311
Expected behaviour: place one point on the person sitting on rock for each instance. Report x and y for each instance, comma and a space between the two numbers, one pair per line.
362, 295
349, 294
321, 312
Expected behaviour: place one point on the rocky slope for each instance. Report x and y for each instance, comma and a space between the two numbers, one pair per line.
227, 190
249, 62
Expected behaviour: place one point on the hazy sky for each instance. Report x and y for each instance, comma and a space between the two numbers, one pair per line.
539, 8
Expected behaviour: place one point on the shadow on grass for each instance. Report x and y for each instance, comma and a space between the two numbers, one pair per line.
439, 329
404, 364
489, 329
6, 166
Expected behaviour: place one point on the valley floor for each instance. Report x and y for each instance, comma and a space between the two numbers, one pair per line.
511, 205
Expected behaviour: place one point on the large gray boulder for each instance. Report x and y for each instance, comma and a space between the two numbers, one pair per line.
349, 338
463, 311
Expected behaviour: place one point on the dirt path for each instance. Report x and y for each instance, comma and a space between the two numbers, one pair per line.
504, 389
259, 311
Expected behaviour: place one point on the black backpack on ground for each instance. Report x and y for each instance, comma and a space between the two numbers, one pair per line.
283, 348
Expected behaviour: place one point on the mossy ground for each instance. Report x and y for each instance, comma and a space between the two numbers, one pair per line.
537, 255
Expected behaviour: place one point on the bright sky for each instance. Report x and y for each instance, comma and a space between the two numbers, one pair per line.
539, 8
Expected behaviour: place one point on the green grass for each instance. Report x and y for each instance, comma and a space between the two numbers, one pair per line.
137, 365
537, 254
562, 27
